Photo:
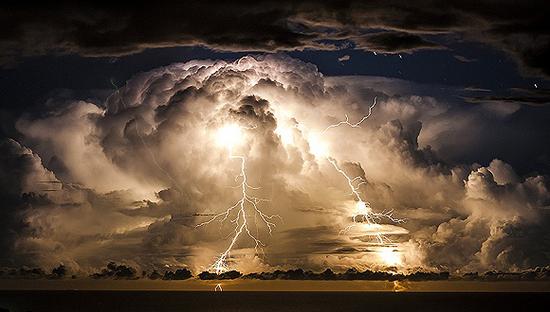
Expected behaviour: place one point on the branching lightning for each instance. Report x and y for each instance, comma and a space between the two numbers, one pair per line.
241, 219
364, 213
248, 205
355, 125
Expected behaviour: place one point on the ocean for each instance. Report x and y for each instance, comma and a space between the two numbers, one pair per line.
258, 301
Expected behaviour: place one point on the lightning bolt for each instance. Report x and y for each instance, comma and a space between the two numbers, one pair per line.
241, 219
364, 212
248, 205
355, 125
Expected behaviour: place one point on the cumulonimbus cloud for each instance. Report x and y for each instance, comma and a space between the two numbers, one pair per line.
127, 180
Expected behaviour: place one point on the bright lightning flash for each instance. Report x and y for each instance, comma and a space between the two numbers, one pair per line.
363, 211
317, 146
229, 136
389, 256
246, 207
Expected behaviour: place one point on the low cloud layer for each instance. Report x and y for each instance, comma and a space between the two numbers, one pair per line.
129, 179
518, 28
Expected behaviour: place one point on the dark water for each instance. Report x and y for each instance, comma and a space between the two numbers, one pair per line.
138, 301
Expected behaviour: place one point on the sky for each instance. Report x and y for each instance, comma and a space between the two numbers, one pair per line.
127, 131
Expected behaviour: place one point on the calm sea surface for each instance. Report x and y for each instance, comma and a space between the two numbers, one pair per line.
56, 300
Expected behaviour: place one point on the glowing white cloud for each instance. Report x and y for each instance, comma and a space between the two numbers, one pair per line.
219, 130
229, 136
389, 256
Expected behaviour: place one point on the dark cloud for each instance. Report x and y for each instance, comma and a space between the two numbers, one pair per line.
534, 97
112, 30
350, 275
23, 273
21, 173
156, 275
179, 274
394, 42
537, 274
221, 276
59, 271
116, 271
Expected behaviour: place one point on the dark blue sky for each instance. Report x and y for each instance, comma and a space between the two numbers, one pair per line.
32, 80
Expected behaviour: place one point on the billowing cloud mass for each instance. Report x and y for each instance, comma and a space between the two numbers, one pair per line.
127, 180
516, 27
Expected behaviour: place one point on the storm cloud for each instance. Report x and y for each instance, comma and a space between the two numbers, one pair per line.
128, 180
394, 42
518, 28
